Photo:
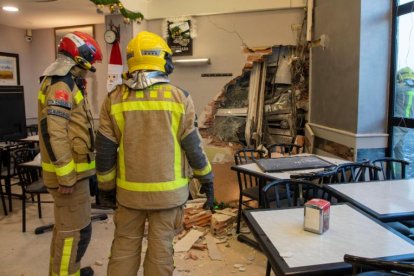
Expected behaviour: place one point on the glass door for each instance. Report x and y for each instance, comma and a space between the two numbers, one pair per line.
401, 120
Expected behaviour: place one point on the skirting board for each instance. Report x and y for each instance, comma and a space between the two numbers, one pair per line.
353, 140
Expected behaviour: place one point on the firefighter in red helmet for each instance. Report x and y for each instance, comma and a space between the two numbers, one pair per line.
147, 137
66, 139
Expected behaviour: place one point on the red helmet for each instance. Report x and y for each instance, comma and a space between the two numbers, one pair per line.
82, 48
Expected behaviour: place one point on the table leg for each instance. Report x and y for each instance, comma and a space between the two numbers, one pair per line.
249, 241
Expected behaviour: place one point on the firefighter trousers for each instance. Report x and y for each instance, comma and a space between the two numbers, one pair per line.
126, 248
72, 230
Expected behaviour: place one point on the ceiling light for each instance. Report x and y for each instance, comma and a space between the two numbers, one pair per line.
10, 9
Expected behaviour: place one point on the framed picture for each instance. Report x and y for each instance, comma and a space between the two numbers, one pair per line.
179, 37
9, 69
61, 31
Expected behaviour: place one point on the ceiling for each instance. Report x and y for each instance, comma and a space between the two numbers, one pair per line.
41, 14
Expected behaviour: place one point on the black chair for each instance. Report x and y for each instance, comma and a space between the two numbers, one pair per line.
31, 182
32, 130
21, 155
355, 172
286, 192
3, 200
319, 178
8, 165
374, 267
248, 184
283, 149
391, 168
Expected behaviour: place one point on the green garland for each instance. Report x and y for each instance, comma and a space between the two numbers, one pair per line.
116, 6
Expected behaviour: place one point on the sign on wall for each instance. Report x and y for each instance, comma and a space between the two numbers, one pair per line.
179, 33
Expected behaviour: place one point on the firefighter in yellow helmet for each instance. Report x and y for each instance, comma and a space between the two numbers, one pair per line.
147, 137
66, 139
404, 107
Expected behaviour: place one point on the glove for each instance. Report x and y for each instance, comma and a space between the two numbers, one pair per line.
208, 189
106, 199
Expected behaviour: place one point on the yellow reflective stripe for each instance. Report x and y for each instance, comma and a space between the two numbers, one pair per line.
139, 94
153, 94
204, 171
152, 187
167, 94
107, 177
147, 105
409, 104
78, 97
66, 169
41, 97
125, 94
83, 167
64, 263
78, 167
175, 123
48, 167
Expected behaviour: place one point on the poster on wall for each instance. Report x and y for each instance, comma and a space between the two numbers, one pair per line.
9, 69
179, 37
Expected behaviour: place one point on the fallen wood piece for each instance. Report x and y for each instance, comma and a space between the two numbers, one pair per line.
196, 217
220, 223
203, 222
199, 246
182, 234
213, 250
185, 243
226, 212
190, 255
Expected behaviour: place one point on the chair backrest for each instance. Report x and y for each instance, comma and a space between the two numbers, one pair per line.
355, 172
247, 155
371, 264
391, 168
283, 149
32, 130
28, 176
286, 192
22, 155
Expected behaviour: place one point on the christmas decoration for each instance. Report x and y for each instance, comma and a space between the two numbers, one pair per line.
115, 6
115, 68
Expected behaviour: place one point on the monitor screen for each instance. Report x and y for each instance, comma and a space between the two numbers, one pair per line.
12, 113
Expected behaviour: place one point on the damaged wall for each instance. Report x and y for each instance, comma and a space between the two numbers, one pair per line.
266, 104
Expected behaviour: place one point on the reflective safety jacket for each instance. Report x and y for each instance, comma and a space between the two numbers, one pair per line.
404, 101
66, 135
145, 142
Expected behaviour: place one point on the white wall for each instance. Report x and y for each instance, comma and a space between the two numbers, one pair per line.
38, 54
12, 41
217, 39
155, 9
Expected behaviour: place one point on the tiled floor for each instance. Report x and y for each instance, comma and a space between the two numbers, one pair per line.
27, 254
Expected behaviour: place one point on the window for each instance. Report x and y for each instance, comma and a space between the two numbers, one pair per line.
401, 119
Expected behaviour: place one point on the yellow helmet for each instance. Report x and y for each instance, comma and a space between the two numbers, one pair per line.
148, 51
405, 74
